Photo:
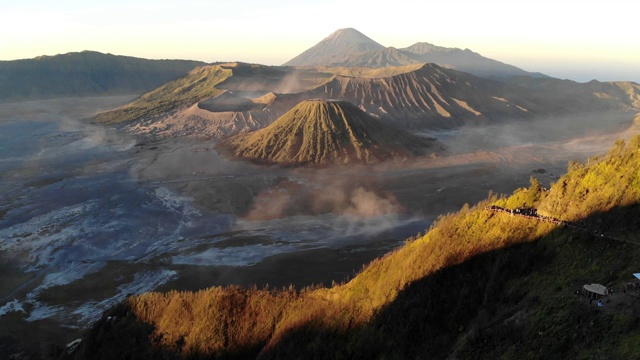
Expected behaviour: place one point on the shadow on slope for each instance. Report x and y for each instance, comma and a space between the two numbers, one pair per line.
478, 284
515, 302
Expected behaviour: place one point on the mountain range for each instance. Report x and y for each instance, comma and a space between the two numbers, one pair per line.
86, 73
227, 99
349, 47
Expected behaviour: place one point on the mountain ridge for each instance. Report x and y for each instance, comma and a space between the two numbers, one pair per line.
347, 53
86, 73
416, 96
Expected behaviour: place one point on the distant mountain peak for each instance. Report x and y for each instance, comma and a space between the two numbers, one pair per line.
341, 45
351, 35
350, 47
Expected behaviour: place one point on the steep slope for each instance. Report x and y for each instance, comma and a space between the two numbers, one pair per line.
322, 132
336, 48
349, 47
479, 284
434, 97
430, 96
199, 84
86, 73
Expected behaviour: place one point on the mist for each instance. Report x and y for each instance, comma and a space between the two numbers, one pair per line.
470, 138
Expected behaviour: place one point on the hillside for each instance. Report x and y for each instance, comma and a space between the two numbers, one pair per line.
86, 73
478, 285
349, 47
625, 93
199, 84
431, 96
215, 100
226, 99
322, 132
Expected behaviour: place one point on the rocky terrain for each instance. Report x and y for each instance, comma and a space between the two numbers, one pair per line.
323, 132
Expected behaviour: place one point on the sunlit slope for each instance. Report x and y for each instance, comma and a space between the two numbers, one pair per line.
430, 95
598, 188
336, 48
198, 85
239, 82
226, 99
324, 132
453, 290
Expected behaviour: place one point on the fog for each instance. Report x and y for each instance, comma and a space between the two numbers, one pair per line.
470, 138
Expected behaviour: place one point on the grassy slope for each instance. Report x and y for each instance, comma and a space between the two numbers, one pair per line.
478, 284
198, 85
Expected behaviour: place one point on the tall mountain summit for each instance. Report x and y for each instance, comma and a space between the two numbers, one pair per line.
339, 47
349, 47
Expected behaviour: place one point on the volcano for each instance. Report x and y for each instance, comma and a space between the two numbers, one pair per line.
339, 47
324, 132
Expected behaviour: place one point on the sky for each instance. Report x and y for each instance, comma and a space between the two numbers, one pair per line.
566, 39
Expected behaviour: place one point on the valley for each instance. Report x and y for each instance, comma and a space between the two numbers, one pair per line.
128, 215
181, 209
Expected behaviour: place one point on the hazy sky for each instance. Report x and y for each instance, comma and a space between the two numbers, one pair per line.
566, 39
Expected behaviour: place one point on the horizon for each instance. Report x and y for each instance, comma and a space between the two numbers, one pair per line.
579, 43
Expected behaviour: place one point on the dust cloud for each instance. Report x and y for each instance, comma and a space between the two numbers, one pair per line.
340, 197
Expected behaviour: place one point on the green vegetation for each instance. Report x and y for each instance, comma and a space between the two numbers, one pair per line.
323, 132
86, 73
477, 285
198, 85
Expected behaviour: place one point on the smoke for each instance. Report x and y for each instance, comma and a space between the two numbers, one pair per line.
339, 197
291, 83
330, 212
